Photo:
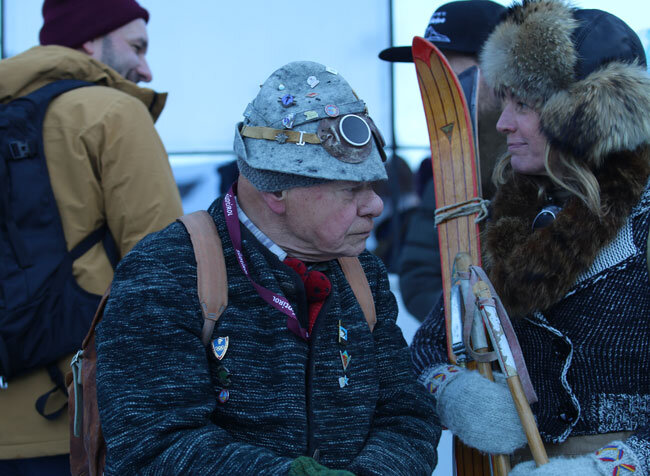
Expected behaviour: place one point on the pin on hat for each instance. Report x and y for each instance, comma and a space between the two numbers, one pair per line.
287, 100
287, 121
332, 110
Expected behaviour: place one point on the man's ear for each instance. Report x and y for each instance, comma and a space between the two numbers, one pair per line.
90, 48
276, 201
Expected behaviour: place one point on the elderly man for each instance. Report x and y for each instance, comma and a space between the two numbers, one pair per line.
108, 170
311, 389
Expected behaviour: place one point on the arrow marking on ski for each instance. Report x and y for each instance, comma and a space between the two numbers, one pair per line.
448, 129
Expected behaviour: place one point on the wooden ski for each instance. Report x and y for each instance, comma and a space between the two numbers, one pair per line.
452, 157
455, 165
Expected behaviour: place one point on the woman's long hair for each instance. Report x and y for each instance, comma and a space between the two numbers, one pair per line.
565, 171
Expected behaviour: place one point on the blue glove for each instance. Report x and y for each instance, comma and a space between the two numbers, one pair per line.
615, 458
480, 412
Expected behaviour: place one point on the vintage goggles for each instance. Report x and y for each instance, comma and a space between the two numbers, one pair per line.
348, 137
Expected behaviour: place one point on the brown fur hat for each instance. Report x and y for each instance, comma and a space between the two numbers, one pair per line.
582, 70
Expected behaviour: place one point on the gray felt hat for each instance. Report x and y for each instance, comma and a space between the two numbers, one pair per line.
282, 142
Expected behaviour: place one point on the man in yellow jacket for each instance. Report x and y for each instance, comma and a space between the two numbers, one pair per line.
107, 165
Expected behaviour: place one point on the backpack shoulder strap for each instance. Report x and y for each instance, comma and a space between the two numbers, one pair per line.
356, 276
212, 282
647, 260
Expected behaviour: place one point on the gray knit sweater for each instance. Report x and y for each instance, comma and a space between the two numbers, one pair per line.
157, 384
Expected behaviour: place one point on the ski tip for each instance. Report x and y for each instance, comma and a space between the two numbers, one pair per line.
422, 50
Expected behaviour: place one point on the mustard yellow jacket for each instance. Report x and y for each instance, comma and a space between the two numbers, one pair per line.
108, 165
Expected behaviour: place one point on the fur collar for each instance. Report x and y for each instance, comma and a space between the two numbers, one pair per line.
532, 270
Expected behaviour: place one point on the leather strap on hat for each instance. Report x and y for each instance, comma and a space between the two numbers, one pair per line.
279, 135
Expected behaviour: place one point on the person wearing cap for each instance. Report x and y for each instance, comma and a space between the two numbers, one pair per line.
459, 29
107, 165
566, 245
311, 389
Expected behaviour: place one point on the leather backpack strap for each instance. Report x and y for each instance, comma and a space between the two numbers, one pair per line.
356, 276
212, 281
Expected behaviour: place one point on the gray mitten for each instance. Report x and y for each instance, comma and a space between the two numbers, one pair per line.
480, 412
615, 458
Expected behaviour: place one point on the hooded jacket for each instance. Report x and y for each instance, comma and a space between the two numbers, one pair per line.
106, 164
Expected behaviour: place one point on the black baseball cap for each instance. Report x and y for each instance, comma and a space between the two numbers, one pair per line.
461, 26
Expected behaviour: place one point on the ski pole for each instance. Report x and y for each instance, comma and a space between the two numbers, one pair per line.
462, 262
507, 364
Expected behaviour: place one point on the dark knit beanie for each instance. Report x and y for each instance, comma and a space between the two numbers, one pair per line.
73, 22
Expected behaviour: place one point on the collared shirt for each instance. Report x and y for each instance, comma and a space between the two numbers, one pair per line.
259, 234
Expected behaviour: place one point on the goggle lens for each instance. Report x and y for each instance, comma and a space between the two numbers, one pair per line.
355, 130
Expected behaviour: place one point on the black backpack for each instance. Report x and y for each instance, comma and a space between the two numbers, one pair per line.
44, 314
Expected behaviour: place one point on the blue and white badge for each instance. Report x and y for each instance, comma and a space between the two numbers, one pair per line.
287, 121
343, 381
343, 334
219, 347
287, 100
313, 81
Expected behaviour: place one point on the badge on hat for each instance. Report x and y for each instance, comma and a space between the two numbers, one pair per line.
313, 81
287, 100
332, 110
220, 347
287, 121
309, 115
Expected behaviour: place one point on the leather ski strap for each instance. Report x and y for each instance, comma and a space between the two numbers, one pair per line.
212, 281
356, 276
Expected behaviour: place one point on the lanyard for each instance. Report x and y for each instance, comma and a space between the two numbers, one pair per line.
276, 300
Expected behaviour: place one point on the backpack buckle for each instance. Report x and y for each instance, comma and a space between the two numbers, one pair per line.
21, 150
3, 383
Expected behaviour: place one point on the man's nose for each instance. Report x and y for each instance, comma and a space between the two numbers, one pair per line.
143, 70
371, 204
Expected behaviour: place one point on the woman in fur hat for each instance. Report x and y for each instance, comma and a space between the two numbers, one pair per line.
565, 246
